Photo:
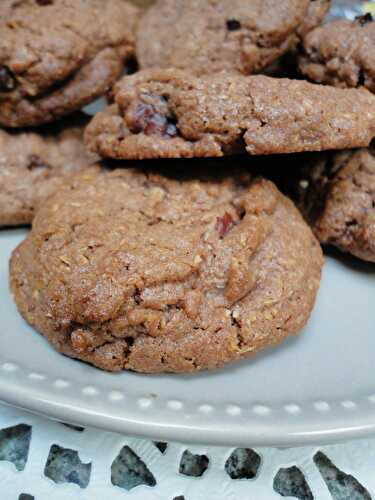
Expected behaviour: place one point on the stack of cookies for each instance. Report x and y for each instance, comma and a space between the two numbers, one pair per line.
179, 229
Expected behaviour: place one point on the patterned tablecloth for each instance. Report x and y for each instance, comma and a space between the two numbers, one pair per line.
45, 460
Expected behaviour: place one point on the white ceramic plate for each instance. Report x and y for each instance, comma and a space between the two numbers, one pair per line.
318, 387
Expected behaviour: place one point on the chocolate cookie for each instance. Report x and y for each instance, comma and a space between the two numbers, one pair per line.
169, 113
341, 53
336, 194
215, 35
33, 164
162, 273
58, 55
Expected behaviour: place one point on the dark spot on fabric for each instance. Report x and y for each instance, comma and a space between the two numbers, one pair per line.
129, 471
161, 446
7, 80
243, 463
366, 18
25, 496
64, 466
15, 444
44, 2
193, 465
340, 485
290, 482
233, 25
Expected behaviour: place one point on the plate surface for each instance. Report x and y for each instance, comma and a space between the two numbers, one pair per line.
318, 387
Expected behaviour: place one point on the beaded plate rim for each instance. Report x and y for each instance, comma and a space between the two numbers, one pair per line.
295, 431
27, 383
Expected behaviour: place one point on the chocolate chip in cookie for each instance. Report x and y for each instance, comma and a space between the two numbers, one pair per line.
244, 36
366, 18
233, 25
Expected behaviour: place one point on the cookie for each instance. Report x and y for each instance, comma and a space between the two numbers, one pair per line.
170, 113
215, 35
155, 272
58, 55
341, 53
336, 194
33, 164
142, 3
316, 13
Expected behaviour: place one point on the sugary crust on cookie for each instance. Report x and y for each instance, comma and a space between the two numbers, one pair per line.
169, 113
216, 35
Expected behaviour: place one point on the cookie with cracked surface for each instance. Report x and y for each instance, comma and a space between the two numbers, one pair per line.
170, 113
315, 14
336, 194
286, 66
341, 53
34, 163
58, 55
216, 35
166, 273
